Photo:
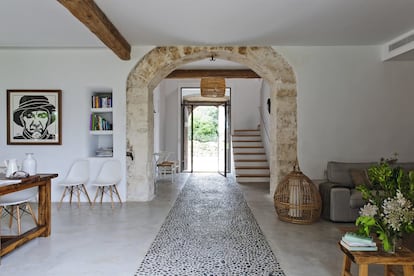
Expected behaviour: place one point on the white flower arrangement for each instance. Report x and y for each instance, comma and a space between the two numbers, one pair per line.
369, 210
389, 212
397, 212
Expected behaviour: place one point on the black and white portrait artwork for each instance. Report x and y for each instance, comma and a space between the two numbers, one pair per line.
33, 117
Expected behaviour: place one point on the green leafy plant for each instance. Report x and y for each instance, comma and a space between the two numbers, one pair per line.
389, 211
205, 124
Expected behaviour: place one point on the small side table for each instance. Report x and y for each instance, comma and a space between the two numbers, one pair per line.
403, 257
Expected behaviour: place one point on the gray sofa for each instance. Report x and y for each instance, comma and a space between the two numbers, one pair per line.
341, 202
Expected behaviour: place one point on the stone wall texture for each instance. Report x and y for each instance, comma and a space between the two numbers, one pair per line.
161, 61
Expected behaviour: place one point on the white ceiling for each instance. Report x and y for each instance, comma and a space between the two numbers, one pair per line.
46, 23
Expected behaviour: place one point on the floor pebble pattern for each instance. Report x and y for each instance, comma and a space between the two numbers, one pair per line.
210, 231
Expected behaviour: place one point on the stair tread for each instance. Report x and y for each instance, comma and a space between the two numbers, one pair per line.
245, 135
247, 181
250, 160
252, 167
252, 175
247, 141
246, 130
248, 147
258, 169
248, 153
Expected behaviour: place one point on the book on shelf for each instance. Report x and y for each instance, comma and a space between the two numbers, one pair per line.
104, 152
101, 102
359, 248
97, 122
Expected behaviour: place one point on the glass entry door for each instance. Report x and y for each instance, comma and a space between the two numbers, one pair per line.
223, 159
205, 137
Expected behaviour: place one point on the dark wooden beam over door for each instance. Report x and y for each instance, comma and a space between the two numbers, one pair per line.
95, 20
237, 73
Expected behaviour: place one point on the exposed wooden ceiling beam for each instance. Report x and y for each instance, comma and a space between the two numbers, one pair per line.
95, 20
226, 73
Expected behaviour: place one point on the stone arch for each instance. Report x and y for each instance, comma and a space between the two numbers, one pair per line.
161, 61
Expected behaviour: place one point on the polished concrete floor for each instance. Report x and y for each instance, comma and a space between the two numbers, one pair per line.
105, 241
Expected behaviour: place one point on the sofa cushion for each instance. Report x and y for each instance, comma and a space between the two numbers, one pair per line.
360, 177
406, 166
325, 192
338, 172
356, 201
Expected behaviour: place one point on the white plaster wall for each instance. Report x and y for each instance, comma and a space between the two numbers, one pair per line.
351, 105
76, 72
172, 119
265, 118
157, 120
245, 101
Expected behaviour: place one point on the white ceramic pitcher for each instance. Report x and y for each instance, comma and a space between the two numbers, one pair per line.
11, 165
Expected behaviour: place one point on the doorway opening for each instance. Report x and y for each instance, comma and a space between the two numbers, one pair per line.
159, 62
206, 132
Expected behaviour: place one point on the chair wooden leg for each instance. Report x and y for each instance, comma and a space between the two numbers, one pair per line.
112, 199
15, 212
31, 212
11, 216
61, 199
71, 194
86, 193
96, 195
19, 226
117, 193
78, 193
102, 193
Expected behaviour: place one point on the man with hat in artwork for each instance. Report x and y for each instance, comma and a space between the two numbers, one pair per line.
34, 114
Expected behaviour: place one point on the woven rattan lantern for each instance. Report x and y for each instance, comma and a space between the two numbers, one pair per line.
213, 87
297, 199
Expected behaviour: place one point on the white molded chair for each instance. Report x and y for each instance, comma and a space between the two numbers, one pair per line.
108, 177
75, 181
14, 203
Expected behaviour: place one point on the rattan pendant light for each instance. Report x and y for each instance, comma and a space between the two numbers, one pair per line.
297, 199
213, 87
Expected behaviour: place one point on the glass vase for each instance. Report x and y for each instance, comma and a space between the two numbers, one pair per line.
394, 243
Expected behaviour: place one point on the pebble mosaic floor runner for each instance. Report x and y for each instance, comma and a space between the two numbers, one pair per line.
210, 231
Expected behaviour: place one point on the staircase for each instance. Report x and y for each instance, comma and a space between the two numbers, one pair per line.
250, 160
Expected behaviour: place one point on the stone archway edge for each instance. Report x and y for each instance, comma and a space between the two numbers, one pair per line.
161, 61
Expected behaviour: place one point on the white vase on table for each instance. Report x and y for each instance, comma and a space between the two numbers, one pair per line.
29, 164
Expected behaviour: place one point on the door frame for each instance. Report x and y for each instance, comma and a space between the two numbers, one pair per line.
184, 134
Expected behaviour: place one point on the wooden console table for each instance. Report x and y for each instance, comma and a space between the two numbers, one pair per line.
43, 228
403, 257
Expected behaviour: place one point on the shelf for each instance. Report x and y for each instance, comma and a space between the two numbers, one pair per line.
101, 121
101, 110
101, 132
100, 125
